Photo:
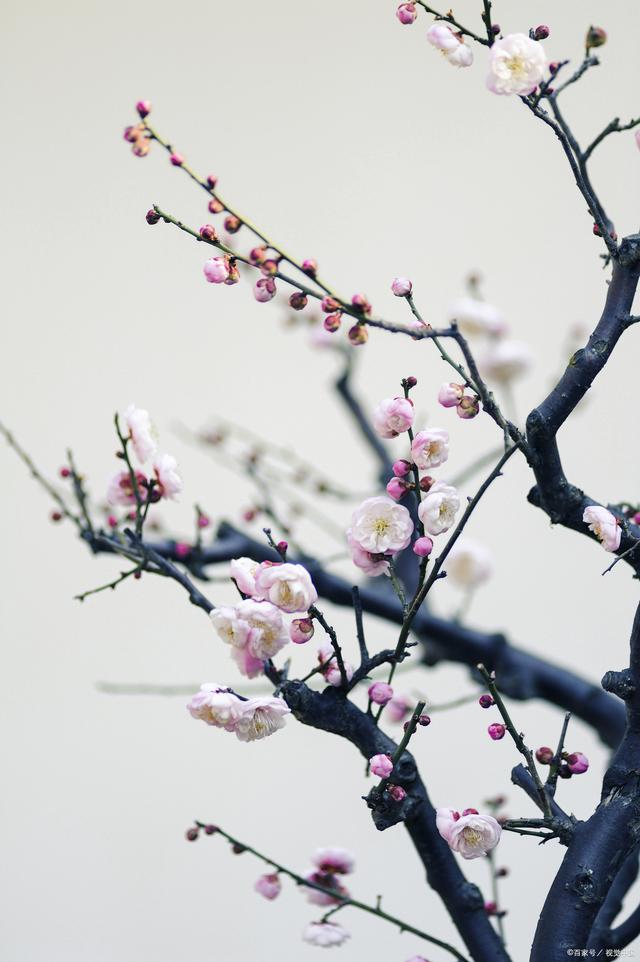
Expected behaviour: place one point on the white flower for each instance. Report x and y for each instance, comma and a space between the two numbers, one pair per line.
268, 631
477, 317
604, 525
472, 836
243, 571
516, 65
260, 717
379, 525
438, 509
505, 361
393, 416
469, 564
166, 471
230, 627
325, 934
216, 706
462, 56
450, 44
287, 586
430, 448
142, 432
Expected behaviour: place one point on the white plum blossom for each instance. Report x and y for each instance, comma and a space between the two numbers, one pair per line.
393, 416
230, 627
477, 317
450, 44
604, 525
371, 564
166, 471
505, 361
268, 632
430, 448
516, 65
243, 571
215, 705
379, 525
325, 934
472, 836
287, 586
469, 564
142, 432
247, 663
260, 717
438, 509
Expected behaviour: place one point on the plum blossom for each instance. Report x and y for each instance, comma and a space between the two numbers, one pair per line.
215, 705
301, 630
441, 36
477, 317
247, 663
216, 270
393, 416
120, 489
260, 717
578, 763
331, 671
399, 708
380, 692
287, 586
381, 765
333, 860
142, 432
516, 65
401, 286
243, 571
604, 525
328, 881
505, 361
430, 448
472, 835
406, 13
379, 525
170, 483
325, 934
450, 394
269, 886
371, 563
438, 509
469, 564
257, 625
265, 289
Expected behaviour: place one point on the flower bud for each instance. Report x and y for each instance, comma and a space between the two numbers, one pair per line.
424, 720
401, 467
564, 771
402, 286
490, 908
265, 289
301, 630
64, 472
269, 267
554, 66
381, 765
310, 266
411, 381
397, 792
203, 521
495, 29
144, 108
112, 521
176, 159
191, 834
406, 14
232, 224
427, 482
257, 255
282, 547
210, 829
208, 233
380, 692
545, 755
215, 206
329, 304
397, 488
468, 407
450, 394
141, 147
541, 32
216, 270
212, 180
358, 334
298, 301
423, 547
360, 303
486, 701
55, 516
596, 37
152, 216
578, 763
131, 134
332, 322
496, 731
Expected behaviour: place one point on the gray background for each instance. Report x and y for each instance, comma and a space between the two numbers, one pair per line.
350, 140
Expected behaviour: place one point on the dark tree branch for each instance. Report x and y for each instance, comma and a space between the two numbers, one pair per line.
602, 936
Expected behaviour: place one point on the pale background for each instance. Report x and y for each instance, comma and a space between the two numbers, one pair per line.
347, 137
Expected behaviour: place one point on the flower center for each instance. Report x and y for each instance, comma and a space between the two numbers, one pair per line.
471, 836
517, 66
380, 525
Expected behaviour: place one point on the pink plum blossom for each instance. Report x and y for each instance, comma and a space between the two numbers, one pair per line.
393, 416
604, 525
216, 270
329, 881
472, 835
379, 525
265, 289
381, 765
401, 467
260, 717
438, 509
120, 489
268, 632
371, 563
325, 934
301, 630
334, 860
462, 56
331, 671
142, 432
215, 705
445, 820
516, 65
469, 564
269, 886
496, 731
247, 663
430, 448
397, 488
449, 394
287, 586
380, 692
170, 483
402, 286
243, 571
231, 628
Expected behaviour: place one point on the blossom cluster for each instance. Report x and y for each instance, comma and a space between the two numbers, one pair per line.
250, 719
164, 480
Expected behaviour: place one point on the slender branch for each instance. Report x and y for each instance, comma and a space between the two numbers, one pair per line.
614, 127
449, 18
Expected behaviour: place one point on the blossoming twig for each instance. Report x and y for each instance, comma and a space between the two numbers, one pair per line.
448, 18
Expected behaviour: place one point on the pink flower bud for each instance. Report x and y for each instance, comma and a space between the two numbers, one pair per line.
310, 266
578, 763
490, 908
450, 394
112, 521
360, 303
402, 286
208, 233
401, 467
152, 216
301, 630
380, 692
191, 834
203, 521
182, 549
269, 886
485, 701
64, 472
545, 755
541, 32
141, 147
397, 488
358, 334
329, 304
468, 407
496, 731
381, 765
424, 720
398, 708
470, 811
332, 322
212, 180
215, 206
144, 108
216, 270
257, 255
264, 290
131, 134
269, 267
298, 301
406, 14
397, 792
232, 224
423, 547
176, 159
427, 482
